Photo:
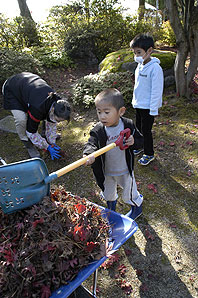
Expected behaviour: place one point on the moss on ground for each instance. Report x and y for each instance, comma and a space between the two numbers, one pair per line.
113, 62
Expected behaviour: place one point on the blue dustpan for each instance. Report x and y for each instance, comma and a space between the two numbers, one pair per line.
123, 228
22, 184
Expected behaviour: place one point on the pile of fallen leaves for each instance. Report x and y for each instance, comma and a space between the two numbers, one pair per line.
46, 245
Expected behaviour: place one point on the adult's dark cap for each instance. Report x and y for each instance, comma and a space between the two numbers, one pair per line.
62, 109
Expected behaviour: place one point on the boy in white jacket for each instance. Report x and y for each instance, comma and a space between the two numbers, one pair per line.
147, 94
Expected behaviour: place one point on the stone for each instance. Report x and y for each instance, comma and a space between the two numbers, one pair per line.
129, 66
169, 81
7, 124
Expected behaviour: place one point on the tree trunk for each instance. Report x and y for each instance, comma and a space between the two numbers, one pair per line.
141, 9
24, 10
30, 32
193, 41
179, 68
186, 32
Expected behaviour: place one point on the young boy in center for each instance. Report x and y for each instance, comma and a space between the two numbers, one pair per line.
147, 94
115, 167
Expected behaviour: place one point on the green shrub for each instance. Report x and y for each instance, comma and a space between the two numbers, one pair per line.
18, 33
50, 57
167, 58
168, 35
12, 62
87, 87
80, 42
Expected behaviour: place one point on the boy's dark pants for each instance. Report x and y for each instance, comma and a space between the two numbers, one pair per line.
144, 123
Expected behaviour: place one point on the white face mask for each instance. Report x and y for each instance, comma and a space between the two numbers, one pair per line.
139, 59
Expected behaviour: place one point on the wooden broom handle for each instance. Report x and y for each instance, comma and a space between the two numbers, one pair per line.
83, 160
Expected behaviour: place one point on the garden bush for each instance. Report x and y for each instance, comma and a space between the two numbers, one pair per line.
80, 43
87, 87
50, 57
12, 62
168, 35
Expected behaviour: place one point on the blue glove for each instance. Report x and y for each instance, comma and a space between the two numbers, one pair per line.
54, 151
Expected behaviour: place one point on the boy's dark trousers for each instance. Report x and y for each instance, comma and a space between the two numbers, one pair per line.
144, 123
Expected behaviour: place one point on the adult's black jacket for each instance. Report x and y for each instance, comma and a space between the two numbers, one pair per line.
29, 93
98, 139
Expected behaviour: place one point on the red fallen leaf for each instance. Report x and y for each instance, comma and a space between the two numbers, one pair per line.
150, 276
149, 235
144, 287
128, 252
80, 208
96, 211
122, 269
73, 262
9, 255
110, 261
189, 143
138, 185
31, 269
36, 222
139, 272
126, 287
162, 143
90, 246
172, 226
192, 278
97, 290
172, 144
50, 247
189, 173
155, 168
152, 187
93, 194
80, 232
19, 226
45, 292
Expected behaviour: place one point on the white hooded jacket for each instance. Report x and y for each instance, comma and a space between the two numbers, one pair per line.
148, 89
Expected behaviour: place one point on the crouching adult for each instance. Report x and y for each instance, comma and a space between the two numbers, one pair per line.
31, 100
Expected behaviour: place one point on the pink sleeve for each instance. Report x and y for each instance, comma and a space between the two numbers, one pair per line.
50, 132
37, 140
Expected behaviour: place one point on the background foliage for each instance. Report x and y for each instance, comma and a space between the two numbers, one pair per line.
87, 87
84, 31
12, 62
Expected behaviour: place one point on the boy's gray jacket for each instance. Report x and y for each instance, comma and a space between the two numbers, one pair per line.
98, 139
